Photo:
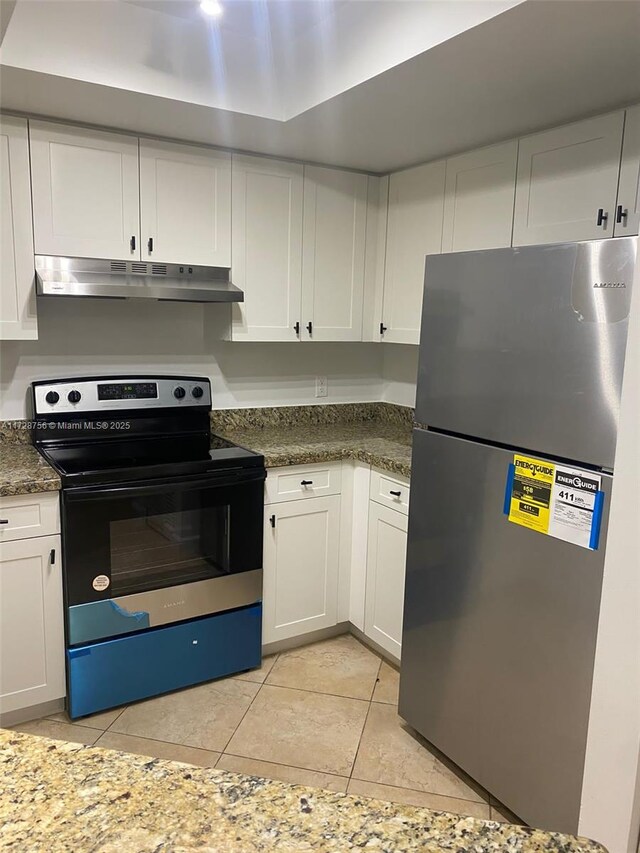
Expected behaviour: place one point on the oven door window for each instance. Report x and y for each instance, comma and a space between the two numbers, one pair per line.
166, 541
130, 540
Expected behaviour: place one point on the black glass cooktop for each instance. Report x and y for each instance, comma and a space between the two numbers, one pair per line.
122, 460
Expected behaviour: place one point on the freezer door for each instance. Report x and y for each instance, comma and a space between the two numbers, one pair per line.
526, 346
499, 633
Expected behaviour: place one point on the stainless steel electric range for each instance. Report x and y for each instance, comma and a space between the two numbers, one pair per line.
161, 536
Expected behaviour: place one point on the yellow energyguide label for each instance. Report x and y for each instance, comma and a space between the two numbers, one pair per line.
531, 493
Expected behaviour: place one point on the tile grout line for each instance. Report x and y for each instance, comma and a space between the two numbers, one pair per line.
355, 757
280, 764
418, 791
113, 722
155, 740
222, 751
322, 692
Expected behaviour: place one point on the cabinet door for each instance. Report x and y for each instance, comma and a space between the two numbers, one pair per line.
567, 181
31, 623
478, 199
386, 558
17, 292
185, 204
85, 192
335, 222
628, 207
267, 248
301, 552
414, 230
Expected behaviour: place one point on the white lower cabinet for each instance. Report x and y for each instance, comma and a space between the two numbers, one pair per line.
337, 554
31, 623
301, 553
384, 596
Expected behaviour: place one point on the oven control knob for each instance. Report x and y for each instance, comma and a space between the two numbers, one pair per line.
179, 392
74, 396
52, 397
197, 392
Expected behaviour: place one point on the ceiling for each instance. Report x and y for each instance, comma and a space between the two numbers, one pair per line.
375, 85
268, 58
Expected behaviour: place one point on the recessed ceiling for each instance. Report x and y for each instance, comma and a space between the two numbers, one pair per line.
374, 85
269, 58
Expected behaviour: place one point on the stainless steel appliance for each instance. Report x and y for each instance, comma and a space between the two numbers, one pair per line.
56, 276
161, 536
522, 355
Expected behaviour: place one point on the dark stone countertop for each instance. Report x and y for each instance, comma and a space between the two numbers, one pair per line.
24, 472
384, 445
374, 433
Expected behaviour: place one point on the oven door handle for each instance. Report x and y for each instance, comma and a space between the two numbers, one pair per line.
192, 484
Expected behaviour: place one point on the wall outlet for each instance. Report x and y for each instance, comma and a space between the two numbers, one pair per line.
321, 386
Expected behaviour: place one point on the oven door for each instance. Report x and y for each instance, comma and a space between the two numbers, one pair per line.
138, 556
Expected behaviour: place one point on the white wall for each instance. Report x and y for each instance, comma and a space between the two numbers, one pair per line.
399, 373
610, 808
85, 336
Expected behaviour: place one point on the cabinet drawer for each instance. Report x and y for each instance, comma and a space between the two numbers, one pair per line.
302, 481
26, 516
384, 490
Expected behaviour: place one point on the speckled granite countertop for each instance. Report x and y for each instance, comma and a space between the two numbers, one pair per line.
375, 433
58, 796
383, 445
23, 471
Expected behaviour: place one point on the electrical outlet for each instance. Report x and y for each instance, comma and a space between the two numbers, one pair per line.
321, 386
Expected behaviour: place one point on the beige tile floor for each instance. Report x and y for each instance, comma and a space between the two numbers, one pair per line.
323, 715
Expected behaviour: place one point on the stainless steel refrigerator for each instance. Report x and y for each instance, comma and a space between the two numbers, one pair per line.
521, 358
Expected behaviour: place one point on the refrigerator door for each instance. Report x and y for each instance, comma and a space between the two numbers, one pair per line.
526, 346
499, 633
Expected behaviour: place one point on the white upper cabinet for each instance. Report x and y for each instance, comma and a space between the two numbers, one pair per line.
17, 292
185, 204
333, 261
85, 192
627, 219
267, 248
414, 230
567, 182
478, 198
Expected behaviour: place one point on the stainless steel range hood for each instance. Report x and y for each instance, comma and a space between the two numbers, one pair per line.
57, 276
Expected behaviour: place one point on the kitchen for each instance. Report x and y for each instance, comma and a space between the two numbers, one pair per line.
294, 239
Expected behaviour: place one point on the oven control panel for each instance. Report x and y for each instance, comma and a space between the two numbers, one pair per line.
115, 393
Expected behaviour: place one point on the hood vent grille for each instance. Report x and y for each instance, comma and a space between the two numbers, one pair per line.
138, 267
120, 279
